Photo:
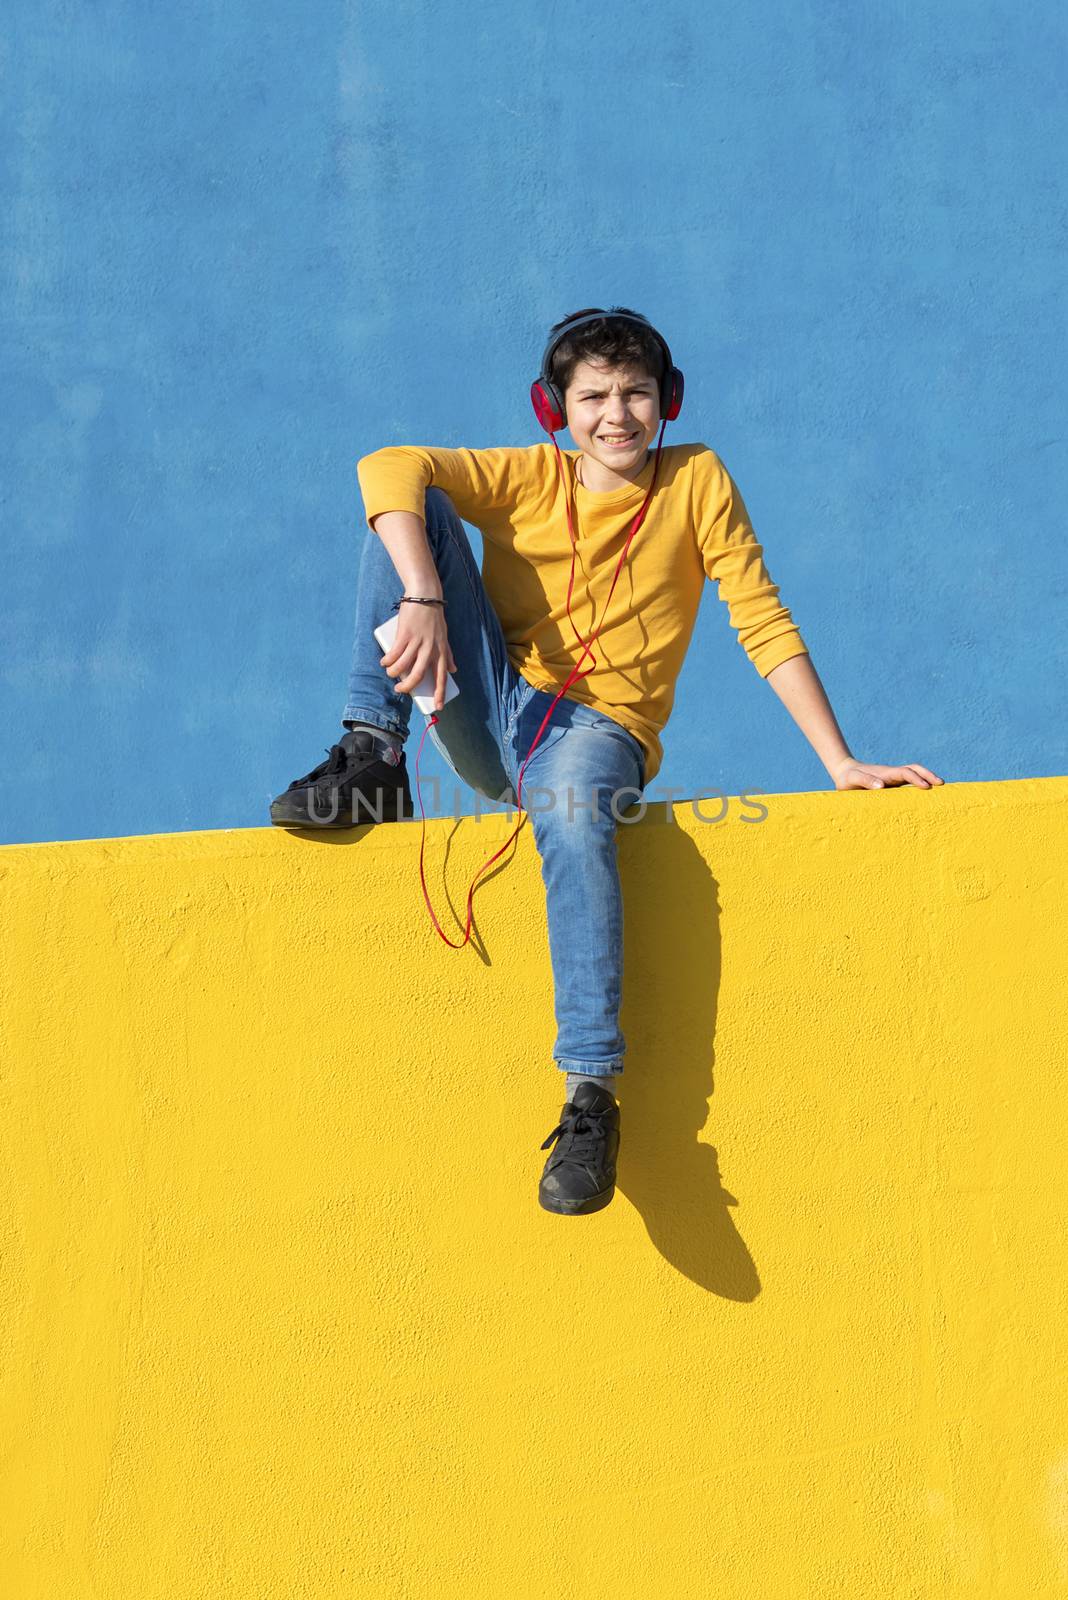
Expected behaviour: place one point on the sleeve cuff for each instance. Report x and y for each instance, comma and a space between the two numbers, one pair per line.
779, 650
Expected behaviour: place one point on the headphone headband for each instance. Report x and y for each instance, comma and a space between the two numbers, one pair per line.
546, 397
598, 316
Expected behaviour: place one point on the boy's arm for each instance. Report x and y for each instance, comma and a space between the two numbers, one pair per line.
397, 477
734, 560
767, 632
797, 684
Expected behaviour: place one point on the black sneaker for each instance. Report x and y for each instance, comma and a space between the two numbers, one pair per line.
360, 781
580, 1175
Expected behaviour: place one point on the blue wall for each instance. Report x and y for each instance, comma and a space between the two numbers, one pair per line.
244, 245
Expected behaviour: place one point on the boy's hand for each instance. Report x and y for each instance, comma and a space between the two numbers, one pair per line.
850, 774
421, 646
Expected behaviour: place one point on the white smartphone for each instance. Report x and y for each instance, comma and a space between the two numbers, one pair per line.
423, 693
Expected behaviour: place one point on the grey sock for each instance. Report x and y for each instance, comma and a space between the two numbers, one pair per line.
605, 1081
392, 741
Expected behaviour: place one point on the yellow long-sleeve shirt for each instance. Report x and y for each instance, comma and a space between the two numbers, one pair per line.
696, 526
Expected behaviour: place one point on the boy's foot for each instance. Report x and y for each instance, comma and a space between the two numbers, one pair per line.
358, 782
580, 1175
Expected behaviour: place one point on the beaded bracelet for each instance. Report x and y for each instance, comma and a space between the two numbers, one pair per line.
419, 600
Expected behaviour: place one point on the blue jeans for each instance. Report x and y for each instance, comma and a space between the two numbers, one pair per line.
585, 773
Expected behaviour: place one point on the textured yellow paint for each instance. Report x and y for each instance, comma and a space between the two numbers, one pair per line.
281, 1315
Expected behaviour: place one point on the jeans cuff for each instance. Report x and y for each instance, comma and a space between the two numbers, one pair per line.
591, 1069
363, 714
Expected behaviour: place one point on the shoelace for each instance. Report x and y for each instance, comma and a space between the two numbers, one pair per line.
335, 762
588, 1132
332, 767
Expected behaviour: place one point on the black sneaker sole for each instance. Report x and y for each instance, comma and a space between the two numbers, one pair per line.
576, 1208
390, 811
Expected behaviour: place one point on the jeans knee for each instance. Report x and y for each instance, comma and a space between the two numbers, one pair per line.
572, 824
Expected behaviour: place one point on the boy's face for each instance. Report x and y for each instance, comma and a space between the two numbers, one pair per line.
605, 402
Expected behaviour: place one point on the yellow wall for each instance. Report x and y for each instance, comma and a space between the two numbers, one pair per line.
281, 1315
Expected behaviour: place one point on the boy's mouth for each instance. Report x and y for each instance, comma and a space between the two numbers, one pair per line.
618, 442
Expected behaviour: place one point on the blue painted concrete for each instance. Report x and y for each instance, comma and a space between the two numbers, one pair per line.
243, 245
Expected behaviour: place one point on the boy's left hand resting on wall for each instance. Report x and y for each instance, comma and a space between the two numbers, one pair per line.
852, 774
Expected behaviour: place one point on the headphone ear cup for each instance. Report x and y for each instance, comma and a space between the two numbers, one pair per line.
673, 389
548, 405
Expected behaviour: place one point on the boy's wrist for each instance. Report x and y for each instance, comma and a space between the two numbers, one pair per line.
428, 587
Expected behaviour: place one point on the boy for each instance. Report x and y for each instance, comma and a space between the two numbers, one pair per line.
507, 634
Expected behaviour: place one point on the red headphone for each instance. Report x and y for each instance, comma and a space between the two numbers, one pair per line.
551, 412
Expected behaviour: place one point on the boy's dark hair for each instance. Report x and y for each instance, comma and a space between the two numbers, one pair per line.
611, 339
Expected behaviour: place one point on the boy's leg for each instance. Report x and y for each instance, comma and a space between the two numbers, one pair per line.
582, 778
471, 729
584, 775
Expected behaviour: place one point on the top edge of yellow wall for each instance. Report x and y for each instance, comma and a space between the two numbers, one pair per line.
497, 825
